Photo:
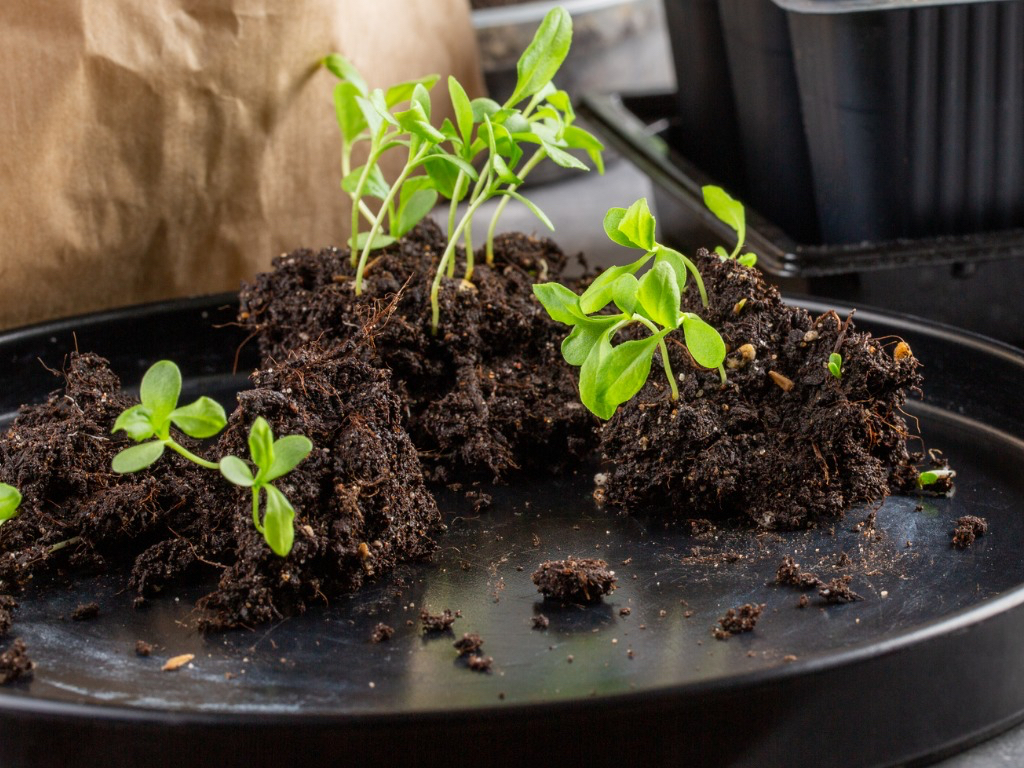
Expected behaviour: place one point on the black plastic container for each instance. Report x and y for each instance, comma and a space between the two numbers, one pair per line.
972, 281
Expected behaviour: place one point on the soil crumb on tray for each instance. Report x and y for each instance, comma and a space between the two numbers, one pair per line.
15, 663
968, 528
469, 643
438, 622
489, 393
86, 612
582, 581
790, 574
785, 456
7, 607
838, 591
382, 633
479, 663
540, 621
142, 648
736, 620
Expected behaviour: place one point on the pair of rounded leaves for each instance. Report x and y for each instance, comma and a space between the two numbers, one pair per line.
273, 458
152, 418
10, 500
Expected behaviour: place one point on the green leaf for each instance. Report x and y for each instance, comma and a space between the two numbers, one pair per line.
703, 341
577, 346
625, 292
443, 175
236, 471
421, 97
516, 124
483, 107
638, 225
612, 219
659, 294
531, 205
413, 208
544, 55
748, 259
10, 500
676, 260
591, 389
380, 240
437, 160
137, 457
560, 100
345, 70
562, 158
577, 138
278, 522
463, 109
288, 452
379, 102
396, 94
721, 253
137, 422
561, 304
623, 372
261, 444
373, 118
503, 172
835, 365
599, 293
160, 389
724, 207
375, 185
350, 118
201, 419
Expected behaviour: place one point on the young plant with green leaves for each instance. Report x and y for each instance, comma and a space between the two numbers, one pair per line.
10, 500
932, 476
611, 374
835, 365
731, 212
149, 423
273, 459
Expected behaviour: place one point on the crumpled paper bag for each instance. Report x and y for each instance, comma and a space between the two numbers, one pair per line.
160, 148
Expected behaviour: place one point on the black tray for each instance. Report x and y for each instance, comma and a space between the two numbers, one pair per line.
928, 667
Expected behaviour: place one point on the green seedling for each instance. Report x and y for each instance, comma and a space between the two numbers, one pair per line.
153, 417
611, 375
835, 365
10, 500
731, 212
273, 459
932, 476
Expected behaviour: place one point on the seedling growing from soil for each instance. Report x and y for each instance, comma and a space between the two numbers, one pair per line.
932, 476
731, 212
153, 417
612, 375
273, 459
10, 500
835, 365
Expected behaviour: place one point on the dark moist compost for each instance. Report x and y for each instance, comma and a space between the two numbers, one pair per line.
489, 393
736, 620
7, 607
968, 528
784, 442
362, 506
15, 663
574, 580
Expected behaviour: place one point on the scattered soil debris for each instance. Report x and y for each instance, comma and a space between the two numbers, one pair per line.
803, 602
789, 574
968, 528
85, 612
702, 528
540, 621
736, 620
479, 663
625, 611
437, 622
583, 580
382, 632
838, 591
177, 662
142, 648
7, 606
468, 644
15, 663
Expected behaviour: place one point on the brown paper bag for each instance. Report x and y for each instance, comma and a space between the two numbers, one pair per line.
159, 148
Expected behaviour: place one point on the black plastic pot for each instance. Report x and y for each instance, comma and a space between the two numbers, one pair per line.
972, 281
894, 118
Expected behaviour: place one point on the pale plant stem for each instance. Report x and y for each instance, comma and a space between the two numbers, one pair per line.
532, 163
663, 348
449, 253
169, 442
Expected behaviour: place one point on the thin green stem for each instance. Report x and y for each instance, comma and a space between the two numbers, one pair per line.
449, 252
170, 443
66, 543
696, 276
532, 163
357, 202
460, 181
256, 508
469, 253
663, 348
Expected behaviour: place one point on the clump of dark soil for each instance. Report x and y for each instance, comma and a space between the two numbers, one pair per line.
142, 648
574, 580
15, 663
790, 574
469, 643
540, 621
382, 633
489, 393
437, 622
7, 607
736, 620
479, 663
838, 591
968, 528
86, 612
361, 502
785, 442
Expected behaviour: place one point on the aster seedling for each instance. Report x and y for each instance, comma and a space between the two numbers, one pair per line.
10, 500
273, 459
149, 423
611, 374
731, 212
835, 365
